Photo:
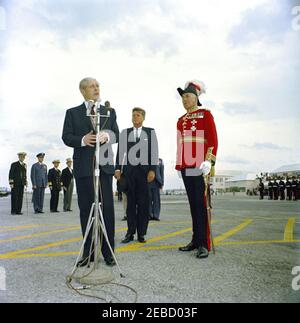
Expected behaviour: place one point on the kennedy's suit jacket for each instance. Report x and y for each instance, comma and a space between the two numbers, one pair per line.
148, 140
77, 124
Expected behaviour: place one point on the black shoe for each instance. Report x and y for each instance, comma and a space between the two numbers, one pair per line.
127, 239
125, 218
141, 239
41, 212
189, 247
70, 210
110, 262
155, 219
13, 213
19, 213
202, 253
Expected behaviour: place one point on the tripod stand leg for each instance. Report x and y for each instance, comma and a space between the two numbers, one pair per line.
103, 228
87, 231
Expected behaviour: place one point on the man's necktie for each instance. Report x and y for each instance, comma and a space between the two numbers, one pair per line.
93, 115
137, 138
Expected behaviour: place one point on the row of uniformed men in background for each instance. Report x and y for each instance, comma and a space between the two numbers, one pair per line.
41, 179
281, 188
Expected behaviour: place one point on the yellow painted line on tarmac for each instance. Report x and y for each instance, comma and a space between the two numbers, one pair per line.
232, 243
8, 228
289, 230
40, 234
232, 231
14, 254
150, 248
155, 239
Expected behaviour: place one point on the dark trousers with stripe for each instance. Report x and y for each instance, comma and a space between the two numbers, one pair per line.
195, 188
17, 199
85, 192
137, 202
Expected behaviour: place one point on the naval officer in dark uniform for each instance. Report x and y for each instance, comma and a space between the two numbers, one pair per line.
55, 185
67, 179
17, 182
79, 133
39, 181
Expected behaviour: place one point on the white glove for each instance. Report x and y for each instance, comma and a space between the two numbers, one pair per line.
205, 167
103, 137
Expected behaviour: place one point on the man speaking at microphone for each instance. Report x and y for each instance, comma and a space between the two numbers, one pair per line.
79, 132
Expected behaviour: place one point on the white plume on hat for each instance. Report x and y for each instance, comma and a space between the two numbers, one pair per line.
200, 86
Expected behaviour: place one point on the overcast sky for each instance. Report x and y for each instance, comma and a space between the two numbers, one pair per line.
246, 52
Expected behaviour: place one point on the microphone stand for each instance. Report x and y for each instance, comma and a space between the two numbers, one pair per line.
96, 223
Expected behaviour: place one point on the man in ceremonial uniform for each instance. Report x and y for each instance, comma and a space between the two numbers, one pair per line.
294, 188
197, 145
17, 181
289, 192
275, 189
39, 181
282, 189
55, 185
270, 189
67, 179
261, 188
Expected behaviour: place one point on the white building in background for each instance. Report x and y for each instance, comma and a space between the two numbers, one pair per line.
287, 170
245, 182
222, 177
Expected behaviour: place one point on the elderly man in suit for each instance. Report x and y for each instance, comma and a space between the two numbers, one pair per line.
138, 158
17, 181
79, 132
39, 181
67, 179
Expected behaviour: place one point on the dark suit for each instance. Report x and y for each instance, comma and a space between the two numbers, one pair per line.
141, 157
17, 178
154, 192
54, 182
76, 126
67, 179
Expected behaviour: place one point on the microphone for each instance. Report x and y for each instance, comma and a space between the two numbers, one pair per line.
97, 105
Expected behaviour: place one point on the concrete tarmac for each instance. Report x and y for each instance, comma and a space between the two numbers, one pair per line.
257, 244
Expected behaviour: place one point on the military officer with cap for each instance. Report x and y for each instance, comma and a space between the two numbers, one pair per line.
282, 189
197, 145
261, 188
39, 181
294, 188
55, 185
289, 192
67, 179
275, 189
17, 182
270, 189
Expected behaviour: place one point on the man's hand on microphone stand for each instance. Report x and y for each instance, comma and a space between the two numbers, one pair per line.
89, 139
103, 137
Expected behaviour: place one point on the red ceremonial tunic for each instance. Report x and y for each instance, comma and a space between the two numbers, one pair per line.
196, 132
